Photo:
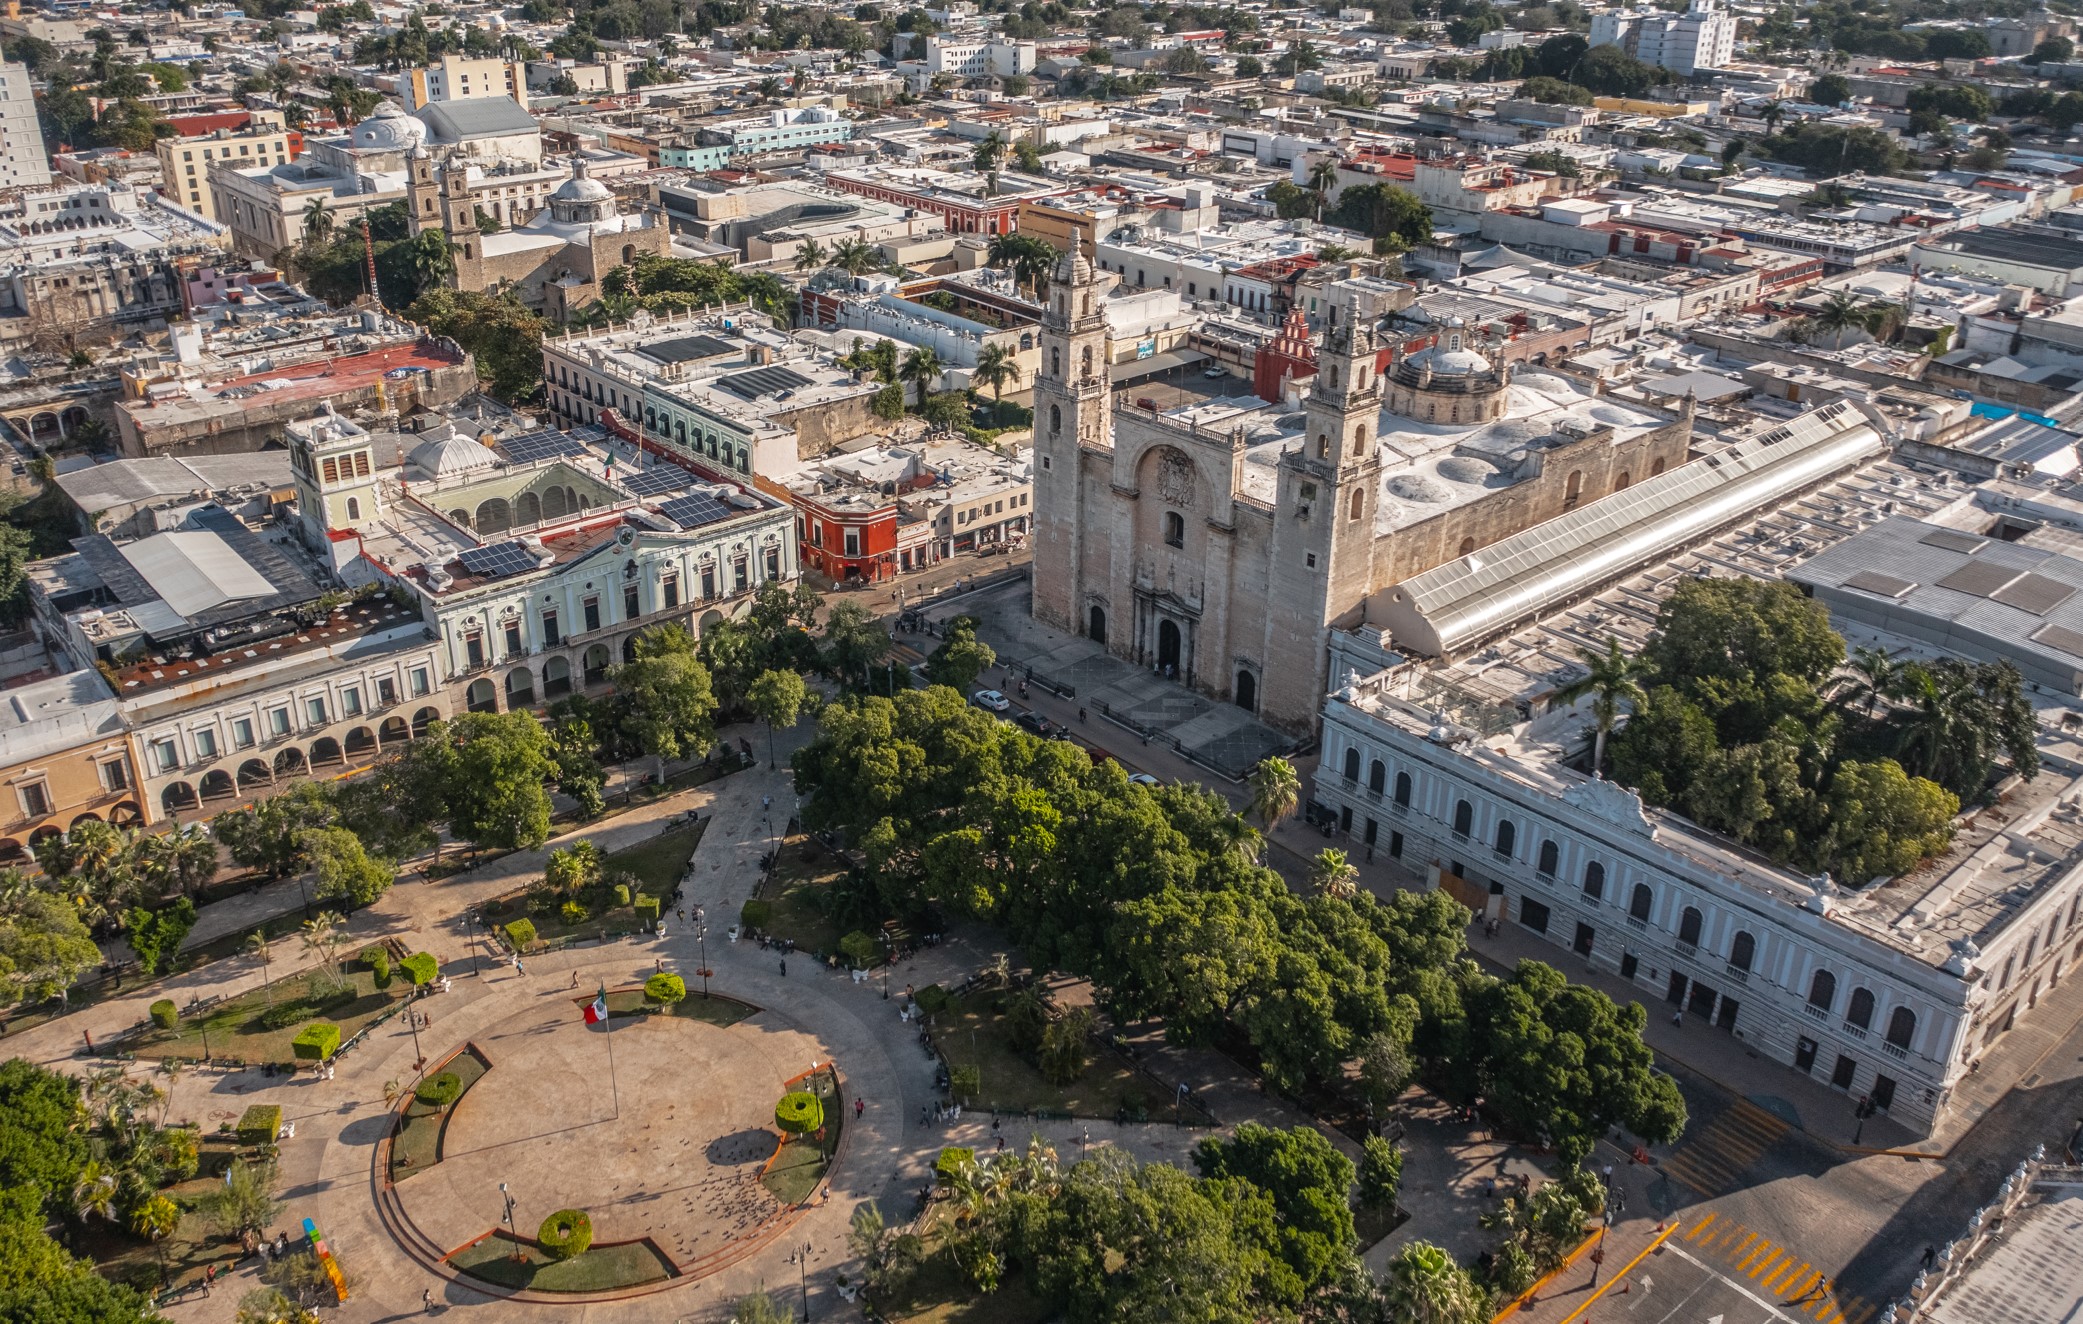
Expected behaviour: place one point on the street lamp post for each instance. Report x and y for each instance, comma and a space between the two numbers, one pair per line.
419, 1059
889, 957
701, 933
512, 1231
470, 936
802, 1259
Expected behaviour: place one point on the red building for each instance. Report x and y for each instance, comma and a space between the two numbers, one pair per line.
921, 190
849, 536
1287, 357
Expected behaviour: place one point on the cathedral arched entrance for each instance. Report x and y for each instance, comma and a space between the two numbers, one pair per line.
1169, 646
1247, 691
1096, 626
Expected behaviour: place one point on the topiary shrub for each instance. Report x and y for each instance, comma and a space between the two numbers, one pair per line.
165, 1014
440, 1091
621, 894
259, 1124
421, 968
754, 914
565, 1234
859, 948
955, 1163
572, 913
315, 1042
647, 908
665, 989
932, 999
379, 962
521, 934
799, 1113
966, 1082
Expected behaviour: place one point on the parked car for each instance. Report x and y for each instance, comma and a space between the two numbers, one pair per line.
1144, 779
1036, 724
991, 701
1212, 373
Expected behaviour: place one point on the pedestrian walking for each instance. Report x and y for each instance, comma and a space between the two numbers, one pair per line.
1609, 1176
859, 1106
1930, 1256
661, 967
89, 1038
784, 967
426, 1300
574, 979
1678, 1018
209, 1278
766, 802
681, 914
519, 969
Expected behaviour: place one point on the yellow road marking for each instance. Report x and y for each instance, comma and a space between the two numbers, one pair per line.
1757, 1253
1699, 1227
1766, 1263
1806, 1287
1864, 1315
1745, 1246
1786, 1276
1607, 1286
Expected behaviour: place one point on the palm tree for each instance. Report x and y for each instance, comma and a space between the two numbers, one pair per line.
1842, 312
1275, 792
322, 938
989, 153
855, 257
810, 255
318, 223
1772, 114
1610, 676
1323, 177
994, 364
1938, 738
1336, 253
94, 1192
1874, 676
257, 943
1425, 1286
1332, 875
922, 369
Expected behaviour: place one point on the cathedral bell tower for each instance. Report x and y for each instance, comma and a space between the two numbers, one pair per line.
1073, 403
1329, 487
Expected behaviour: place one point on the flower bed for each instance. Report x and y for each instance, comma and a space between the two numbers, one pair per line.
416, 1145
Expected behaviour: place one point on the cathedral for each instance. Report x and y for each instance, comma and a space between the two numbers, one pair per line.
1219, 544
555, 259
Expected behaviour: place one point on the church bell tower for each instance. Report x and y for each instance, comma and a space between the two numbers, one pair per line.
1073, 403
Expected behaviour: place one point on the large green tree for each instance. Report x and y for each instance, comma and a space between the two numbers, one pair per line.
501, 334
501, 760
1308, 1181
670, 705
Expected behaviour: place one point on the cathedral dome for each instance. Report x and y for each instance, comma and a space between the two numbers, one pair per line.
1453, 362
581, 189
390, 129
1072, 268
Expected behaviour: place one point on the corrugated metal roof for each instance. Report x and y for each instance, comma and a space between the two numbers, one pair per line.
1464, 601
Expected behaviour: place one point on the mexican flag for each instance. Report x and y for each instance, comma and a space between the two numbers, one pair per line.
597, 1010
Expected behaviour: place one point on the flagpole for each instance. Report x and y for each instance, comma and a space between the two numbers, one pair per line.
607, 1027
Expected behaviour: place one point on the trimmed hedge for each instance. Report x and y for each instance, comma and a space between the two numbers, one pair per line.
565, 1234
621, 894
316, 1042
259, 1124
379, 962
755, 913
521, 934
799, 1113
932, 999
440, 1091
420, 968
666, 989
165, 1014
647, 908
954, 1162
966, 1081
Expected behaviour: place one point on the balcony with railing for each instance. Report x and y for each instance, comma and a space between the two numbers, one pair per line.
1855, 1031
1815, 1012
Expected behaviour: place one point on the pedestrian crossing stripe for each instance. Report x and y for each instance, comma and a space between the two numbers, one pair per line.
1791, 1281
1714, 1159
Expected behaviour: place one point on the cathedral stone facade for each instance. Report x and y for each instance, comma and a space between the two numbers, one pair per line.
1209, 554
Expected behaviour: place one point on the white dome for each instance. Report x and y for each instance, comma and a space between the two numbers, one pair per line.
452, 457
389, 129
1455, 362
581, 190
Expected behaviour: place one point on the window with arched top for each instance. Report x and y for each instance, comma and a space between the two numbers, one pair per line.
1352, 765
1377, 776
1595, 880
1743, 951
1354, 507
1620, 483
1464, 817
1902, 1027
1689, 926
1403, 789
1550, 859
1639, 904
1331, 374
1574, 487
1822, 990
1055, 420
1656, 468
1360, 442
1323, 447
1055, 361
1507, 838
1860, 1012
1088, 361
1467, 546
1174, 529
354, 508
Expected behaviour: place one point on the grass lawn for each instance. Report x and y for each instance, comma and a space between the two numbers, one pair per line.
716, 1010
971, 1032
122, 1258
796, 891
939, 1294
417, 1145
801, 1163
234, 1026
659, 862
600, 1269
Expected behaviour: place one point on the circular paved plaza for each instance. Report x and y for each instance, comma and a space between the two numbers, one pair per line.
678, 1162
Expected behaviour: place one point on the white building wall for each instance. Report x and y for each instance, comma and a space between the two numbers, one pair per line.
23, 162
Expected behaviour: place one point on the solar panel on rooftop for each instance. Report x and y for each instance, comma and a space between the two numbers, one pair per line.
691, 512
498, 560
655, 482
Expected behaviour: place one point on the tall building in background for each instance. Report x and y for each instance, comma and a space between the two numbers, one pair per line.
1703, 37
459, 78
23, 161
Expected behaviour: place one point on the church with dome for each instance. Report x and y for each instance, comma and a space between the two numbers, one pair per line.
1219, 542
554, 260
